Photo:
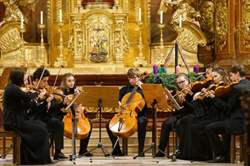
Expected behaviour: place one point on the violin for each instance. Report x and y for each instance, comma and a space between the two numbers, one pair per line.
197, 86
205, 91
181, 94
124, 123
221, 91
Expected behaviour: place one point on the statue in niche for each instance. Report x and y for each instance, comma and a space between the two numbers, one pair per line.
12, 10
98, 43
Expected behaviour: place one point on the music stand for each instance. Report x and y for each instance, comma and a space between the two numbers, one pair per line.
155, 97
100, 97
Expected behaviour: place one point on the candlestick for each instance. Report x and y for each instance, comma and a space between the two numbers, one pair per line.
60, 61
161, 26
140, 60
139, 15
43, 58
161, 17
41, 17
180, 21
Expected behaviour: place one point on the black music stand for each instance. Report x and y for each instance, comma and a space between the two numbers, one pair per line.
100, 97
155, 97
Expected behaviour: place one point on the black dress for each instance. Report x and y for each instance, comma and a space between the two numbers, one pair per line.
83, 142
34, 134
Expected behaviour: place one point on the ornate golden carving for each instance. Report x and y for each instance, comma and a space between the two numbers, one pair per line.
190, 34
221, 23
190, 37
100, 34
245, 32
207, 9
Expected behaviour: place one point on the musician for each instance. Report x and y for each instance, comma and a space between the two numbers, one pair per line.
34, 133
209, 70
49, 112
194, 143
233, 122
134, 78
183, 96
69, 87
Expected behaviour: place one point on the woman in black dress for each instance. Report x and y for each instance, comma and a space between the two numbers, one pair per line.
34, 134
68, 86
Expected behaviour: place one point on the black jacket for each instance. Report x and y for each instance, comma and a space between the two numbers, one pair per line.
232, 107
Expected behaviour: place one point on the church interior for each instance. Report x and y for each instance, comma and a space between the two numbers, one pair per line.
100, 40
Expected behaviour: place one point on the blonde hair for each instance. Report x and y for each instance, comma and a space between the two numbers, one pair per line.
133, 72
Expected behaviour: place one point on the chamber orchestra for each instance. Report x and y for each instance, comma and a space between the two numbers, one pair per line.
43, 114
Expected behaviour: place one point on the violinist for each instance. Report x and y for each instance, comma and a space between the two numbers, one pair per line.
134, 78
193, 140
34, 133
183, 96
68, 86
233, 121
49, 111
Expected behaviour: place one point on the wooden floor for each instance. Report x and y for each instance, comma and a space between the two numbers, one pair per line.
121, 161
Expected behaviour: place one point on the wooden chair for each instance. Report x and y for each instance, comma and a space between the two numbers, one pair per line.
16, 142
237, 148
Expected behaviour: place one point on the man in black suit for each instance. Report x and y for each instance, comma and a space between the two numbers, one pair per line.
233, 122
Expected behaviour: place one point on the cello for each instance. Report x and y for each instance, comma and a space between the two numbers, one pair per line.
82, 126
124, 123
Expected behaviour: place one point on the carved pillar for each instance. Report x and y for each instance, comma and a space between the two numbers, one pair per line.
224, 31
243, 33
120, 37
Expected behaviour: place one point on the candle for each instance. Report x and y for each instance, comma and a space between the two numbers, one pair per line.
177, 69
60, 15
196, 68
79, 2
161, 17
180, 21
155, 69
22, 20
139, 15
41, 17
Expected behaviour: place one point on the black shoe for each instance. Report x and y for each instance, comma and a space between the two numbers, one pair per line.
86, 154
117, 153
141, 154
60, 156
160, 154
218, 159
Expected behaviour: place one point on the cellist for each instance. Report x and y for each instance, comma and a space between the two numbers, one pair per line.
68, 86
133, 75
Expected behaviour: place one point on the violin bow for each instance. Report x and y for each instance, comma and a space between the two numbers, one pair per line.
59, 71
39, 81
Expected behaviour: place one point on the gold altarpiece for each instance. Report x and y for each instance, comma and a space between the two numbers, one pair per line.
102, 35
98, 33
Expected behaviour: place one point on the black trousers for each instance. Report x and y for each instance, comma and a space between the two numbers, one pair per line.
56, 128
142, 125
220, 147
166, 127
